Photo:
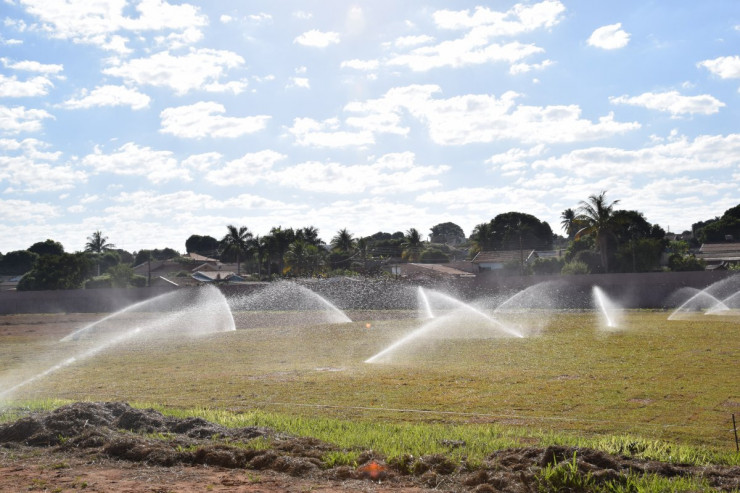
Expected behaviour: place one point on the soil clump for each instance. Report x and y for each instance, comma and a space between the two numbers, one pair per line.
111, 446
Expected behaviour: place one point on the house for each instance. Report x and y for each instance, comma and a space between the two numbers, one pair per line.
10, 283
499, 259
209, 276
431, 271
201, 259
719, 255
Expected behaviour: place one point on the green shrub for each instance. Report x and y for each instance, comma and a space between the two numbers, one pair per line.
138, 281
574, 267
100, 282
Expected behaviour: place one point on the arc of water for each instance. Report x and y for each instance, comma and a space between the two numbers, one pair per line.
172, 317
77, 333
684, 306
422, 295
601, 301
481, 313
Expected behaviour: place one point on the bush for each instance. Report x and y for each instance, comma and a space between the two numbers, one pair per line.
574, 267
138, 281
433, 256
548, 265
592, 260
680, 263
100, 282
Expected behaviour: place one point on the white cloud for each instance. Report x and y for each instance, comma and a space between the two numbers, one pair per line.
302, 14
517, 20
199, 69
523, 68
11, 87
726, 67
356, 64
176, 40
673, 102
25, 211
26, 167
327, 133
97, 22
705, 152
476, 46
19, 119
225, 19
247, 170
390, 174
481, 118
611, 37
33, 66
317, 39
205, 119
109, 96
301, 82
133, 160
409, 41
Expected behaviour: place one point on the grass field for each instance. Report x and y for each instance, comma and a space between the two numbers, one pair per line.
671, 380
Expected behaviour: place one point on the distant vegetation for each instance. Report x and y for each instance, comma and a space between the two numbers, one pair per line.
598, 238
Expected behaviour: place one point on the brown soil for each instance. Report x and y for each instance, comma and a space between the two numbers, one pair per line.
114, 447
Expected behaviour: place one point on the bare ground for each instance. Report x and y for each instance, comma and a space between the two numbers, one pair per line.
114, 447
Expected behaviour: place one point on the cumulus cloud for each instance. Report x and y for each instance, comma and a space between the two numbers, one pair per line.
673, 102
477, 46
481, 118
100, 23
365, 65
611, 37
11, 87
25, 211
247, 170
725, 67
133, 160
705, 152
327, 133
200, 69
317, 39
19, 119
109, 95
33, 66
26, 166
205, 119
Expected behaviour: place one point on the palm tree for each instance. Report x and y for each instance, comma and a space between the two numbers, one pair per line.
568, 222
343, 241
237, 241
481, 238
97, 243
596, 215
412, 245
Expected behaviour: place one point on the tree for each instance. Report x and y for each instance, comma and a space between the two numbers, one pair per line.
236, 241
569, 222
596, 214
51, 272
97, 243
279, 242
17, 262
447, 233
481, 238
719, 230
202, 245
120, 275
512, 231
343, 241
309, 235
48, 247
303, 258
412, 245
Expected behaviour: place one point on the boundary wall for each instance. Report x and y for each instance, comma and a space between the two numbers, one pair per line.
648, 290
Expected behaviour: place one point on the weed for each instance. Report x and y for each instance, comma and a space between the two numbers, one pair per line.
564, 476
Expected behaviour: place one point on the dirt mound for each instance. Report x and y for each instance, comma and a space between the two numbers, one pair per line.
115, 430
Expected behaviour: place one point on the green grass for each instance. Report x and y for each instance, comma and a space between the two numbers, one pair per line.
660, 389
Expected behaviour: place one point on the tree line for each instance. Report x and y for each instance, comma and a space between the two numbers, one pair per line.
598, 238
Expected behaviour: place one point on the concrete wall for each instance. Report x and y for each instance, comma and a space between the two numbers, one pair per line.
651, 290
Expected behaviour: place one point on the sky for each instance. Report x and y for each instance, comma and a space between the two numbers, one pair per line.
153, 120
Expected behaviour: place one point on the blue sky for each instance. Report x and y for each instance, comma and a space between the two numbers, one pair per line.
153, 120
